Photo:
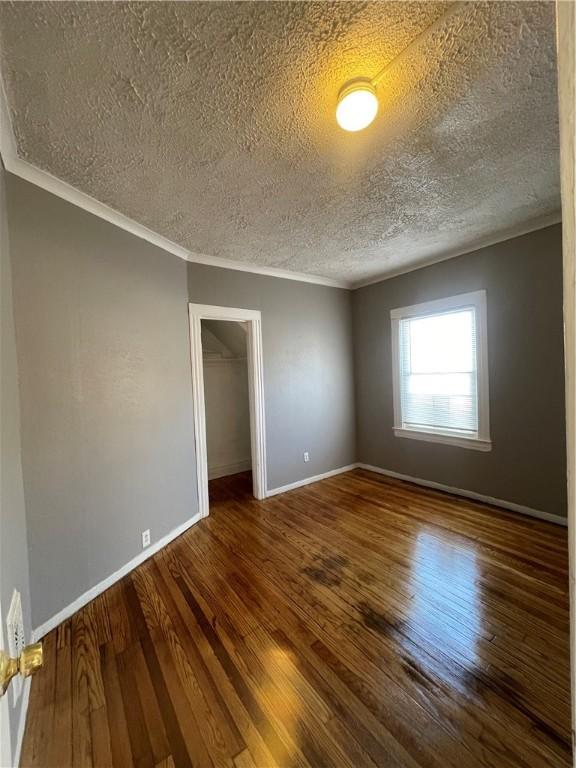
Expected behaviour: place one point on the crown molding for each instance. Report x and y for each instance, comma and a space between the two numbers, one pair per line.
500, 237
40, 178
45, 180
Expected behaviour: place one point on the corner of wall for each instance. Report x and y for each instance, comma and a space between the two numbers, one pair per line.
14, 560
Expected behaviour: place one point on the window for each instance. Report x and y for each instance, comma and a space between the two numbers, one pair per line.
440, 371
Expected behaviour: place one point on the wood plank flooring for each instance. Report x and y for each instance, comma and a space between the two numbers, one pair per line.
359, 621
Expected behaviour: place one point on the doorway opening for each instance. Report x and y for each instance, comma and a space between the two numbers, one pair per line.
228, 395
226, 402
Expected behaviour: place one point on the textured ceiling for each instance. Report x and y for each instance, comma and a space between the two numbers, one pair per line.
213, 123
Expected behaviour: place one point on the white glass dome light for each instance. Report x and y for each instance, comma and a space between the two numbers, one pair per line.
357, 105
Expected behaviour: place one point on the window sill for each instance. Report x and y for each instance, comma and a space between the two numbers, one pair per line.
472, 443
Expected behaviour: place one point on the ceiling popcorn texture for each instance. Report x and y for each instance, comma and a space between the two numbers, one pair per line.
213, 124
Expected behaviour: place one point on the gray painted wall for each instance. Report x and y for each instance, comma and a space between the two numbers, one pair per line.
105, 389
104, 356
308, 370
13, 543
523, 281
103, 347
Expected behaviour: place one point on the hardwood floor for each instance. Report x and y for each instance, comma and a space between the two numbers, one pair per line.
359, 621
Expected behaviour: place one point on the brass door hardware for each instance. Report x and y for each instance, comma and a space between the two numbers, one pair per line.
29, 662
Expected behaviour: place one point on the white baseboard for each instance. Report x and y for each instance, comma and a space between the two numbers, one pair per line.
22, 721
103, 585
229, 469
510, 505
308, 480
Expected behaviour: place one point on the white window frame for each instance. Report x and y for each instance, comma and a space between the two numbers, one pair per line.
476, 299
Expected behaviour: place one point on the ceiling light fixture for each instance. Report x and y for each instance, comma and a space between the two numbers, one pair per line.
357, 104
357, 101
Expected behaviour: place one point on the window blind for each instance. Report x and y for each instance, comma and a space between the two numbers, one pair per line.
438, 372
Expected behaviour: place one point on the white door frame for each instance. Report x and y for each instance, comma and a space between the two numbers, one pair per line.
566, 49
253, 320
5, 711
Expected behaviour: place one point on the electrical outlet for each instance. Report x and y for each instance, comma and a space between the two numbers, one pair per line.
306, 456
146, 538
16, 640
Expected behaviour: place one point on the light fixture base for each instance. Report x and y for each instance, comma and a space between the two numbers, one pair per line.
356, 84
